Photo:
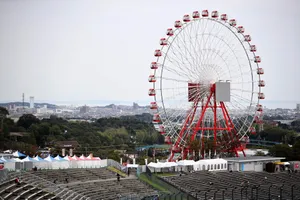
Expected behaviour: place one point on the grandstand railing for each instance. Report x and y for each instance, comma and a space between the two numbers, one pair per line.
252, 192
114, 163
59, 191
3, 175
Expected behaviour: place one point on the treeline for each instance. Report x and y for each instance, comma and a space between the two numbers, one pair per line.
103, 134
277, 134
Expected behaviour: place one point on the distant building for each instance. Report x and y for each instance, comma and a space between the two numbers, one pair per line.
298, 107
31, 102
135, 105
84, 109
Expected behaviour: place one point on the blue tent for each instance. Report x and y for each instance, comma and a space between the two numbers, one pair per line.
49, 158
37, 158
27, 159
59, 158
18, 154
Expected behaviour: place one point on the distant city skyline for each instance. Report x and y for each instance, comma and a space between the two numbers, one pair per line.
269, 104
76, 51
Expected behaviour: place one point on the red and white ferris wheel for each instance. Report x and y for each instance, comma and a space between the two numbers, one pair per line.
206, 84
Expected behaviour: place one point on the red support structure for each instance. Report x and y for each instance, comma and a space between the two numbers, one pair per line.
228, 131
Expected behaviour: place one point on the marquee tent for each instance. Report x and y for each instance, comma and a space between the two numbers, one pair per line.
3, 159
49, 158
186, 163
18, 154
27, 159
211, 164
59, 158
75, 157
37, 158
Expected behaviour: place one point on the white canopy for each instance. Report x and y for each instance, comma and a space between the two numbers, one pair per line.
155, 165
18, 154
162, 165
37, 158
186, 163
67, 158
17, 160
49, 158
132, 165
27, 159
170, 164
59, 158
75, 157
3, 159
210, 164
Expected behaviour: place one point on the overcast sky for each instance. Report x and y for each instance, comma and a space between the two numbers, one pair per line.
78, 50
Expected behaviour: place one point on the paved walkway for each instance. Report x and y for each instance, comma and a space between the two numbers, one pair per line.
131, 176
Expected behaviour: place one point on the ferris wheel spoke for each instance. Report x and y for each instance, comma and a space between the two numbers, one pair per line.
240, 99
169, 69
242, 121
192, 49
237, 89
179, 64
238, 121
213, 38
171, 79
184, 58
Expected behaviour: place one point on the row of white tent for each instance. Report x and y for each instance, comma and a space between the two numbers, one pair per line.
50, 162
205, 164
49, 158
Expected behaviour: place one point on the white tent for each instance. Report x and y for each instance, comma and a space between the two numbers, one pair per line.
3, 159
59, 158
186, 163
18, 154
17, 160
37, 158
170, 164
155, 165
132, 165
27, 159
75, 157
67, 158
211, 164
49, 158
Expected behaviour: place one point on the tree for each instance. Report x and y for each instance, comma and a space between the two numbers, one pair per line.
3, 114
259, 153
55, 130
281, 150
296, 151
27, 120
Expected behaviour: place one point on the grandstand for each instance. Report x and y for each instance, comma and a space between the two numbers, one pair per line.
97, 183
238, 185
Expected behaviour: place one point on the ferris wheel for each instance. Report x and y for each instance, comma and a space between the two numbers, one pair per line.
206, 84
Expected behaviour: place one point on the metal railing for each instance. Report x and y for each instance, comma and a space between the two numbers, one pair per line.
253, 192
43, 184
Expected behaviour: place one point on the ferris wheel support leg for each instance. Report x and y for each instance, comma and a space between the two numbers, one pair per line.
200, 123
233, 131
215, 123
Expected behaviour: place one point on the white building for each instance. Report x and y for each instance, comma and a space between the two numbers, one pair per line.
251, 163
31, 102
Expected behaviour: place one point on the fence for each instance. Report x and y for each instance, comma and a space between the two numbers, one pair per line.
270, 192
3, 175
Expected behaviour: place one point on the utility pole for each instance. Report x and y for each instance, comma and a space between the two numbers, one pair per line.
23, 99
